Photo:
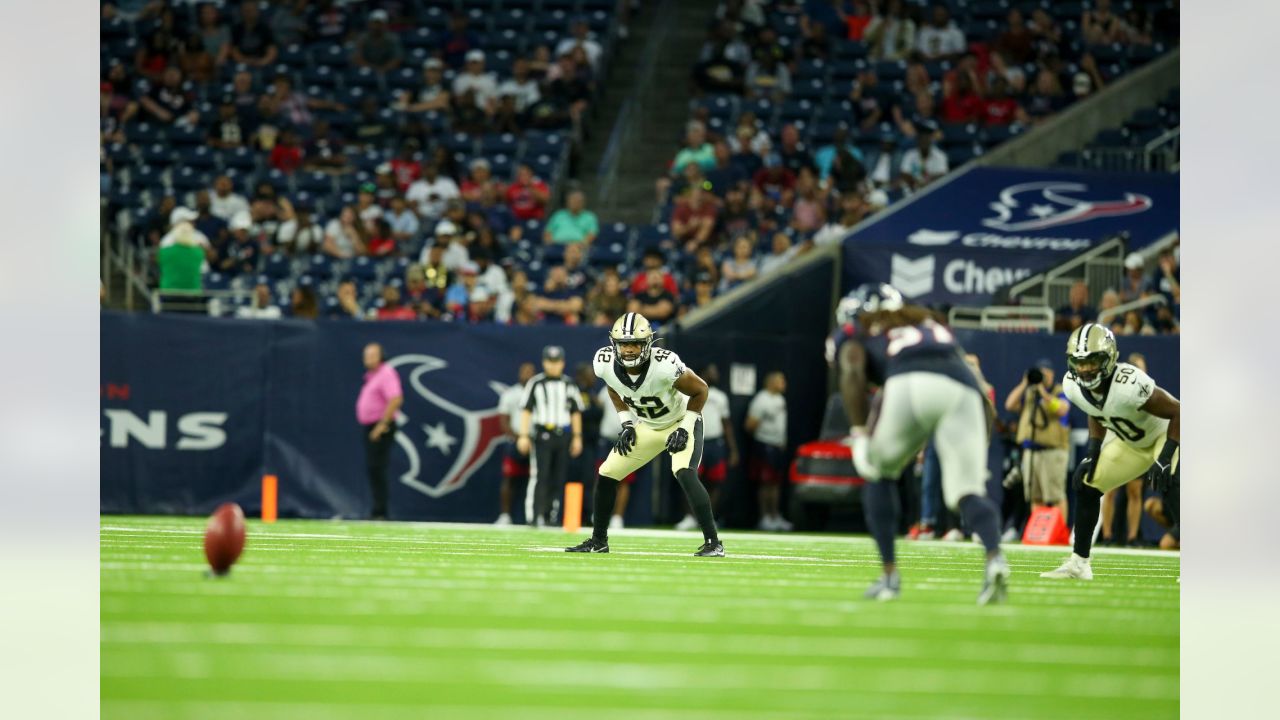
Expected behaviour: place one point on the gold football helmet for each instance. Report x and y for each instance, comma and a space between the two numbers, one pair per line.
1092, 354
634, 331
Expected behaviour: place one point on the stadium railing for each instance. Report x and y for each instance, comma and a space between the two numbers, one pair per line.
1101, 267
1004, 318
1106, 316
1160, 155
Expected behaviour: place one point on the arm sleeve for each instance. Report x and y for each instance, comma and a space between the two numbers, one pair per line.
392, 384
575, 398
526, 402
756, 407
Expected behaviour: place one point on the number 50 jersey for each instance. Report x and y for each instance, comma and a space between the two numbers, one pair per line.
651, 395
1121, 410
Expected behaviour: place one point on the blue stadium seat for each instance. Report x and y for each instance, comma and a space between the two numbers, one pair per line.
814, 89
762, 107
544, 166
217, 281
188, 179
611, 233
361, 77
505, 143
811, 68
507, 39
146, 133
276, 266
539, 142
157, 154
319, 267
890, 70
458, 143
605, 254
793, 110
241, 159
956, 133
553, 254
849, 50
648, 236
119, 153
363, 269
294, 55
317, 183
1113, 138
501, 166
199, 157
513, 19
322, 76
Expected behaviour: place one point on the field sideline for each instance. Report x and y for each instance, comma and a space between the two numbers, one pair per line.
323, 620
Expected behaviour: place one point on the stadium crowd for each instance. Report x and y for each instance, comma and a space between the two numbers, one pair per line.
397, 159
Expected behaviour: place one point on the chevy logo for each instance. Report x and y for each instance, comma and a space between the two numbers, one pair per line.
924, 236
913, 278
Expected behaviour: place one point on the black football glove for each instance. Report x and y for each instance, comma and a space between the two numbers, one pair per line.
626, 438
677, 440
1160, 474
1084, 468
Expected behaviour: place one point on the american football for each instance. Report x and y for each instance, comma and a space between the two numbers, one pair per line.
224, 538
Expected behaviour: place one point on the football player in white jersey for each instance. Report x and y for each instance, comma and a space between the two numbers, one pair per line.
1133, 431
659, 402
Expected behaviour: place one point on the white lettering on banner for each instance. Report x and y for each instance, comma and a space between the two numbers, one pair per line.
197, 431
965, 276
1020, 242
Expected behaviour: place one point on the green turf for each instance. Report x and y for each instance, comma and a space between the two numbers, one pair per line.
328, 620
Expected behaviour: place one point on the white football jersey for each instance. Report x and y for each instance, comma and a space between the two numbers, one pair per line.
1121, 412
714, 413
651, 396
509, 405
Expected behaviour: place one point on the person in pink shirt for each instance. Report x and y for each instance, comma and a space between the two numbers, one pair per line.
380, 398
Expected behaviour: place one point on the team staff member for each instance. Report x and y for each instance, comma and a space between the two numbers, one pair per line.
376, 407
767, 423
515, 468
718, 432
553, 412
1043, 434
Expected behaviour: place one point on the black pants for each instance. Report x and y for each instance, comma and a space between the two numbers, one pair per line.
376, 454
550, 469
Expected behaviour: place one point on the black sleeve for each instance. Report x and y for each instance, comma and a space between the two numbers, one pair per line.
575, 398
528, 395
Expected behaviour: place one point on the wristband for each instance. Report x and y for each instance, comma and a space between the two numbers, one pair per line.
626, 417
689, 420
1095, 448
1166, 452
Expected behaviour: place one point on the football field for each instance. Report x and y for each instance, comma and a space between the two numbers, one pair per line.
324, 620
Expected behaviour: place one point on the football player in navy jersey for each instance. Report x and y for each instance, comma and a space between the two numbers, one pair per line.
926, 389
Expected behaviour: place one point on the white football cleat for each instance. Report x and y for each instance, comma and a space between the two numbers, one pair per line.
615, 522
953, 535
503, 519
782, 524
1075, 568
688, 523
767, 523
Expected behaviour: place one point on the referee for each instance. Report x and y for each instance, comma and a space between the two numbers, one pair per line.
553, 411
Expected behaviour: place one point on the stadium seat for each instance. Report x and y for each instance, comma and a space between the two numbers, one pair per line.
317, 183
199, 158
217, 281
319, 267
849, 50
505, 143
607, 254
322, 77
648, 236
188, 179
1112, 138
294, 55
813, 89
241, 159
793, 110
277, 266
553, 253
363, 269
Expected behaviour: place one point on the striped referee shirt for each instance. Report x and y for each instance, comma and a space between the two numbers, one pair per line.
552, 401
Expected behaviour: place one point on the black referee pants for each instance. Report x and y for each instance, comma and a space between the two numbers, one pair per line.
376, 454
550, 468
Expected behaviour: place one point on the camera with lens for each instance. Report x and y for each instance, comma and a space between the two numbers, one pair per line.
1035, 376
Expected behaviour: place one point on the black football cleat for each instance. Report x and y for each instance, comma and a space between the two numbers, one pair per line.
710, 548
590, 545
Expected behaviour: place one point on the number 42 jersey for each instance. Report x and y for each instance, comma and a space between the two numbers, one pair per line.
1121, 410
651, 395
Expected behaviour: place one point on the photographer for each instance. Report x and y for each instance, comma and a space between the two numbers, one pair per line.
1042, 435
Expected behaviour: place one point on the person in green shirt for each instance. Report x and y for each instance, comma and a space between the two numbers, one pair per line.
182, 253
573, 223
695, 150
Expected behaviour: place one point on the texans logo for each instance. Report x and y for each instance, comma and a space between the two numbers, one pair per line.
1053, 206
460, 438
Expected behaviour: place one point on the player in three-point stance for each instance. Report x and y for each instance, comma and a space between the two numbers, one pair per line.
659, 402
1133, 431
926, 389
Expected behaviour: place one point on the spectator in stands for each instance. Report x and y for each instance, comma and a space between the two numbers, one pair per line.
344, 235
528, 195
293, 108
324, 151
941, 39
155, 55
245, 96
572, 223
652, 259
725, 174
299, 233
367, 207
484, 85
449, 236
521, 86
168, 102
1100, 26
1013, 74
287, 154
742, 266
303, 304
1046, 97
406, 166
241, 254
371, 130
431, 192
735, 217
264, 208
580, 275
226, 203
961, 100
826, 155
214, 34
382, 242
892, 35
117, 105
289, 24
1077, 311
433, 95
392, 308
251, 41
1000, 109
458, 40
768, 78
606, 301
865, 100
1047, 37
377, 48
817, 41
182, 252
213, 228
694, 220
808, 212
1089, 80
559, 303
404, 222
1166, 279
884, 173
437, 276
795, 156
262, 307
479, 181
923, 163
426, 300
348, 304
853, 208
923, 113
749, 146
196, 62
704, 291
1016, 41
579, 37
857, 20
1111, 300
776, 181
781, 252
696, 149
228, 131
1135, 284
656, 303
